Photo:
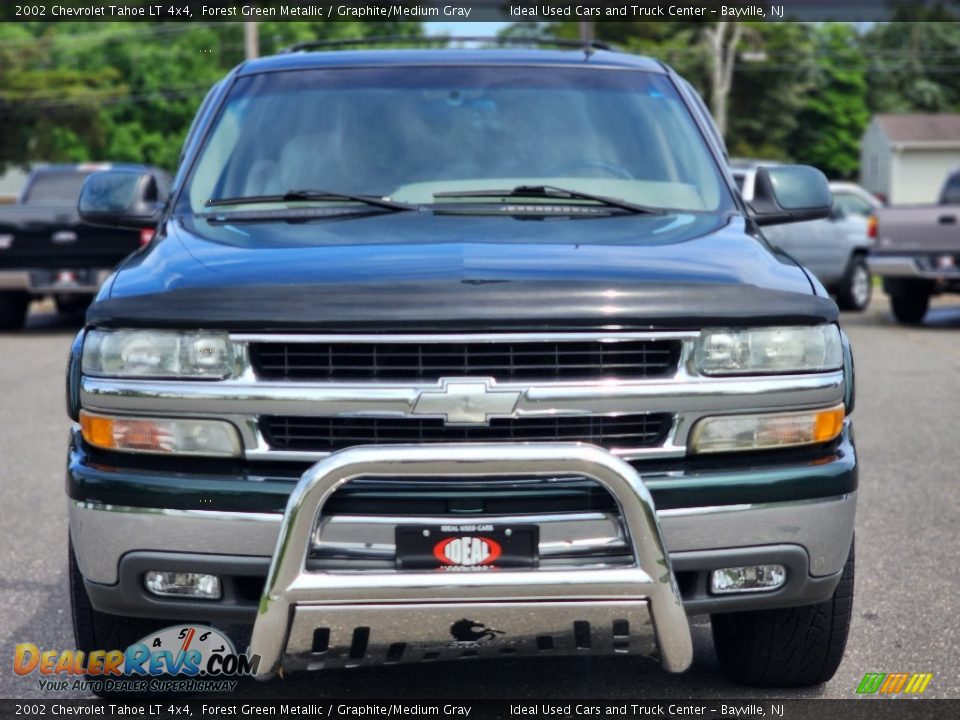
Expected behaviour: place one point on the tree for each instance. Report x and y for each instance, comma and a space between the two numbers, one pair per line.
913, 65
45, 108
834, 113
722, 39
126, 92
772, 78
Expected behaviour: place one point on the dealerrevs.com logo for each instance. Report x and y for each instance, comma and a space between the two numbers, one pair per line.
184, 658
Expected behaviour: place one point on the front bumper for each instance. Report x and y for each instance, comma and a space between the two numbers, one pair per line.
786, 515
918, 266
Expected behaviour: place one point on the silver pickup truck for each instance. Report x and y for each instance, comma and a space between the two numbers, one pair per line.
918, 252
835, 248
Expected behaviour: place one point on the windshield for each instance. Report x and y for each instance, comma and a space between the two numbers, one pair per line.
406, 133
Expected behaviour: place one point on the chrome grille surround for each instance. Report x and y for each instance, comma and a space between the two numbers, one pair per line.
245, 399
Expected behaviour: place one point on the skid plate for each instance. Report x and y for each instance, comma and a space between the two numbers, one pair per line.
331, 636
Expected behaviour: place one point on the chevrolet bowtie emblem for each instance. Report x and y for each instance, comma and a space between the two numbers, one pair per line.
467, 401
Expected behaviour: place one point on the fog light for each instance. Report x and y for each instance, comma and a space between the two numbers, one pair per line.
183, 584
750, 578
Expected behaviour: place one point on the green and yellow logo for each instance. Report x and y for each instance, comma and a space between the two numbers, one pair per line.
894, 683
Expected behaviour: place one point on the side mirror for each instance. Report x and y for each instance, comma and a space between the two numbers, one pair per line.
790, 193
124, 197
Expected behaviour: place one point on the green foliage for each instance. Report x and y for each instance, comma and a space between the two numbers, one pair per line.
913, 66
125, 92
773, 77
833, 116
804, 92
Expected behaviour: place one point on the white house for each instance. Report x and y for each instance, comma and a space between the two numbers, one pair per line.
905, 157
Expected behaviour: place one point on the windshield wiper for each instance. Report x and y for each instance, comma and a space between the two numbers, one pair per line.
552, 192
310, 196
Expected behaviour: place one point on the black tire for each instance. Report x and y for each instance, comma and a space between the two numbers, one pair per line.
910, 308
789, 647
95, 630
856, 289
13, 309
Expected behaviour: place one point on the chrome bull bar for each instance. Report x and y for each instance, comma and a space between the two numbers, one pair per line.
364, 617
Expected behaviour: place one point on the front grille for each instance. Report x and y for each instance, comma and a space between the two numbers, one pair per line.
463, 496
329, 434
505, 361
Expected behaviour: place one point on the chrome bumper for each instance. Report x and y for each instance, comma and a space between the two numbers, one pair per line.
908, 267
26, 280
14, 280
103, 534
377, 617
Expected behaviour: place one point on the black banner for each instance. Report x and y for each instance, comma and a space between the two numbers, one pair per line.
480, 10
864, 708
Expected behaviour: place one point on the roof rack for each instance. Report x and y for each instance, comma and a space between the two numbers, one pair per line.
586, 45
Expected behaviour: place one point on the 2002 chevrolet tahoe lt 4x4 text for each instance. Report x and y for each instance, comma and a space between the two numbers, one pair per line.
463, 353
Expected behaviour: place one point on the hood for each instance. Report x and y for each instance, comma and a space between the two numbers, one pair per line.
422, 270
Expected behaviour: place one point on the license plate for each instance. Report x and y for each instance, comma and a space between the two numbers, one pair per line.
466, 546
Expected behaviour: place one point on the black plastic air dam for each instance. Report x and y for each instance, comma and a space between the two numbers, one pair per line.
465, 305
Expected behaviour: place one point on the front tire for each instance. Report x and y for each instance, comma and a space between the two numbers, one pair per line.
13, 309
789, 647
857, 287
95, 630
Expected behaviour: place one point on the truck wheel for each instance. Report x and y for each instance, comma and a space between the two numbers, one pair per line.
13, 309
909, 309
857, 286
789, 647
95, 630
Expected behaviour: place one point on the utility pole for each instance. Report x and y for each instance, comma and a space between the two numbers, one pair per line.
586, 31
251, 40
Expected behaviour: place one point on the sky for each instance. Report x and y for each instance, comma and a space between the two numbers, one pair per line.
483, 29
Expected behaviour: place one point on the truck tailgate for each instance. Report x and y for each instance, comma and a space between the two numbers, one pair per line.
920, 228
52, 237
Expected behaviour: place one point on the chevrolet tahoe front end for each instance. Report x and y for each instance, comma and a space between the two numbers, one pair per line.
418, 424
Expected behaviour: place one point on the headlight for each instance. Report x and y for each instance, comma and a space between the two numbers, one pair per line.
769, 350
158, 354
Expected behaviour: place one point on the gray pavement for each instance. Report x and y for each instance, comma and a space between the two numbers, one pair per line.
908, 553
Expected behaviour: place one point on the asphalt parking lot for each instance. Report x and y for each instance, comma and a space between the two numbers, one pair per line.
906, 613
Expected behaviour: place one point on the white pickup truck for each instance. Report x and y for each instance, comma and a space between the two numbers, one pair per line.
834, 249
